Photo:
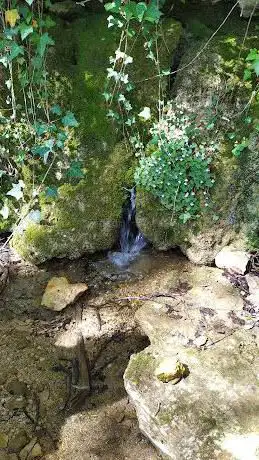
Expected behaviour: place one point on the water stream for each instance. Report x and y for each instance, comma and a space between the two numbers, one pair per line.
132, 241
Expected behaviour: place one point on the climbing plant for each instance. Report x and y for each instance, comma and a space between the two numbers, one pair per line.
36, 132
174, 164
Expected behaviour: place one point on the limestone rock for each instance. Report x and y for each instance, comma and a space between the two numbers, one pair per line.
229, 259
253, 299
204, 415
253, 283
216, 403
60, 293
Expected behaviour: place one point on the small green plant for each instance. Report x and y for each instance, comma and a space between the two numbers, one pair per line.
177, 170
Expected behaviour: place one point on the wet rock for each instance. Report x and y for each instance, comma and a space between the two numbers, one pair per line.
3, 440
15, 387
60, 293
18, 441
230, 259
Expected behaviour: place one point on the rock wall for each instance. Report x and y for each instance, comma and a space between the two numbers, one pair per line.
212, 85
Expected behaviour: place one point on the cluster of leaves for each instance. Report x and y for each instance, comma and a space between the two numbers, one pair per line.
178, 169
134, 20
252, 64
35, 133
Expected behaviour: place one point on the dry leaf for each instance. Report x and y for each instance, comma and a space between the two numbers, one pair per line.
11, 16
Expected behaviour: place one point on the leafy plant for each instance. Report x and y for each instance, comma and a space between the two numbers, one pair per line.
35, 133
178, 169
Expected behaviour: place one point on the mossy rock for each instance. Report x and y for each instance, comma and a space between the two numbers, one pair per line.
214, 84
86, 216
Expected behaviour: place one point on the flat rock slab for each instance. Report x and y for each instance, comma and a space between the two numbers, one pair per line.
60, 293
211, 414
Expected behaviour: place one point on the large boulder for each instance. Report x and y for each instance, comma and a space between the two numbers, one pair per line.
212, 85
195, 388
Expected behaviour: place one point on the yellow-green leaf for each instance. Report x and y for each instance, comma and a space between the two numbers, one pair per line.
11, 16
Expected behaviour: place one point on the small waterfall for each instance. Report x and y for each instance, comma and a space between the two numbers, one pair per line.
131, 239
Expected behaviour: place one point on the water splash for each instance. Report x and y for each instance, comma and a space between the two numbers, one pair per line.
132, 241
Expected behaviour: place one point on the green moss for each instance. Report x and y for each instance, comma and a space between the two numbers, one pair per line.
141, 366
85, 217
83, 59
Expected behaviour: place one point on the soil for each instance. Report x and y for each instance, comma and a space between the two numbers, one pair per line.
37, 356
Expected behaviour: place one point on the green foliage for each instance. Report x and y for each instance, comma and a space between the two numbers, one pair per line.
178, 169
252, 64
35, 134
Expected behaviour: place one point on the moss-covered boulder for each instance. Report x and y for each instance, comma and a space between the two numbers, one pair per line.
86, 216
212, 86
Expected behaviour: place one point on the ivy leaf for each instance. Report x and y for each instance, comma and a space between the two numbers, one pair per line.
130, 10
56, 109
2, 173
11, 16
70, 120
30, 2
113, 7
253, 54
15, 50
25, 30
75, 170
16, 190
51, 192
255, 66
247, 74
153, 14
140, 10
44, 41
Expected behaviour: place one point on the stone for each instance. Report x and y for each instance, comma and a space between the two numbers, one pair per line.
36, 451
194, 415
18, 441
3, 440
59, 293
253, 283
253, 299
15, 387
195, 418
26, 451
233, 260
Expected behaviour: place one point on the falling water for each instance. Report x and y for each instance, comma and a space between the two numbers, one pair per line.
131, 239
